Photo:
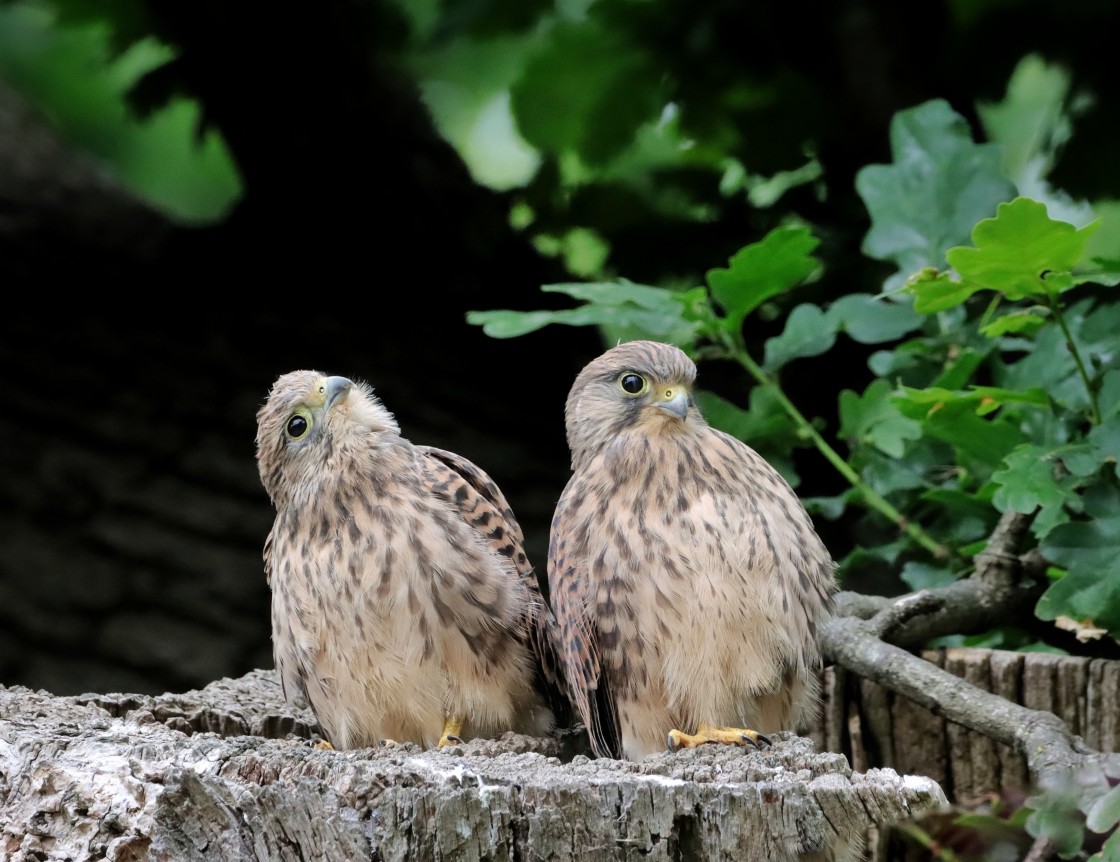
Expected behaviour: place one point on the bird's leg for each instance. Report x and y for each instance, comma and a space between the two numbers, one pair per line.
706, 732
322, 744
451, 727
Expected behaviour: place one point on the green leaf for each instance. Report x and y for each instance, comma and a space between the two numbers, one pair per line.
960, 371
1017, 251
1026, 322
1096, 331
82, 76
588, 91
765, 418
765, 426
652, 312
998, 396
937, 291
1060, 822
638, 310
1110, 852
808, 332
1081, 459
502, 323
1090, 589
780, 261
873, 319
979, 444
1108, 398
615, 293
1029, 481
887, 475
1109, 277
830, 508
922, 576
938, 186
1050, 366
1105, 812
981, 396
966, 517
1105, 439
1033, 119
874, 418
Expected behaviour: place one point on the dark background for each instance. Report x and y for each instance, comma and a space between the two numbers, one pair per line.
137, 351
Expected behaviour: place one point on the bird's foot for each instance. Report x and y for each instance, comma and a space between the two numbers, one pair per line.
706, 733
320, 744
451, 729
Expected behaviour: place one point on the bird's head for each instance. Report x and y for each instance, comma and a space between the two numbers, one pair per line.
308, 420
642, 387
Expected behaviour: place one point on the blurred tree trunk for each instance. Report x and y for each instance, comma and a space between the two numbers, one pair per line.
134, 514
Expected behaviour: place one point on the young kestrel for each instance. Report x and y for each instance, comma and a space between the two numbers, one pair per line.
403, 606
686, 578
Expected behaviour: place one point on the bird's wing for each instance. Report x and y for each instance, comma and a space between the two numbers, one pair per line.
574, 631
267, 555
477, 497
481, 503
291, 681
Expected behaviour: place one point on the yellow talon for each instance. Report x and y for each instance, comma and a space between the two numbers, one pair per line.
451, 729
322, 745
705, 733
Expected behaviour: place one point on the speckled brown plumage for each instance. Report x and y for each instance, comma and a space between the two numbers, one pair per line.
401, 594
686, 578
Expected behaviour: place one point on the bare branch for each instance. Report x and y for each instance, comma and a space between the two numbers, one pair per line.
1004, 586
871, 637
1041, 737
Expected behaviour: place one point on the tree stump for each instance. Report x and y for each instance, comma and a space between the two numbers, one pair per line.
884, 730
227, 772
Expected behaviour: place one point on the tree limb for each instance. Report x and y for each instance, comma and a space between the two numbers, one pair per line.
872, 636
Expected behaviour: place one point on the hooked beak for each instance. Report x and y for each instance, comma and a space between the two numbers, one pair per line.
337, 388
674, 400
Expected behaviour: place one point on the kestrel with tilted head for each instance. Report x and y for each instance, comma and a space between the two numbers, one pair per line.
403, 605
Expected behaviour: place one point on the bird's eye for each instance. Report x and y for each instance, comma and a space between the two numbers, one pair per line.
632, 384
297, 426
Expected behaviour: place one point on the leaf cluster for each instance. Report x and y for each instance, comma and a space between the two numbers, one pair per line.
995, 370
1079, 814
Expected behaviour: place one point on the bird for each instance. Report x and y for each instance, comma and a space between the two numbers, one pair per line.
403, 606
686, 579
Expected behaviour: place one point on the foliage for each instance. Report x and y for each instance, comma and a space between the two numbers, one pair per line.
997, 378
79, 72
992, 829
641, 143
1079, 813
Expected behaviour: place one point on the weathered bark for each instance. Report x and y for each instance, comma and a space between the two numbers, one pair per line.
227, 773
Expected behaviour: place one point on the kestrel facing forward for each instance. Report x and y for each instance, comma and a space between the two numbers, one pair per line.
686, 578
403, 606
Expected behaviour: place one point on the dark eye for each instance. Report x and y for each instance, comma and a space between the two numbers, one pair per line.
634, 384
297, 427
